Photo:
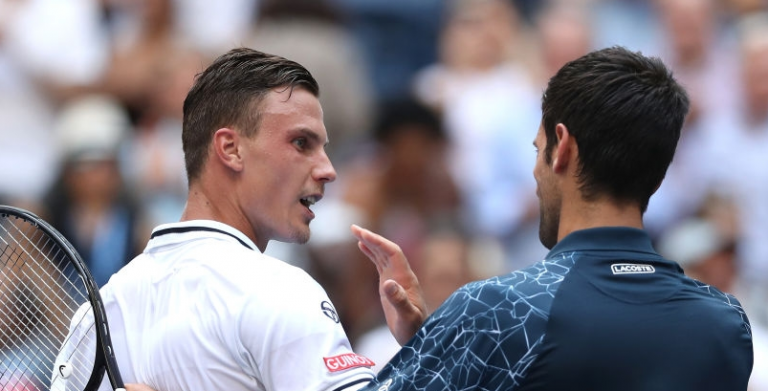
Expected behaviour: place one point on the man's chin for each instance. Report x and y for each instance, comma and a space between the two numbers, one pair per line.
300, 236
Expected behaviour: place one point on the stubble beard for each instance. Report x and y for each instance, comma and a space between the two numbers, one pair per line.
302, 234
549, 223
293, 235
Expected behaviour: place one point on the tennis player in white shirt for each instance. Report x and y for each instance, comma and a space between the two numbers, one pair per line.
202, 308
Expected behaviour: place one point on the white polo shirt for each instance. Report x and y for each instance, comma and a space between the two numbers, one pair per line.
203, 309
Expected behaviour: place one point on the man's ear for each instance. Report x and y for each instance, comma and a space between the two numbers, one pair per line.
565, 150
226, 146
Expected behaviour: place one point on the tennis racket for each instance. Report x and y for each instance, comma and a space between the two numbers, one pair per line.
53, 329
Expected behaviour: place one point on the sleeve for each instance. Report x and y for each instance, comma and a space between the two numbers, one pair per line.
295, 341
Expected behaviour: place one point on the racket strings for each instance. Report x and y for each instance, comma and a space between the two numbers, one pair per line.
52, 293
25, 344
39, 293
27, 350
89, 338
31, 306
62, 267
24, 363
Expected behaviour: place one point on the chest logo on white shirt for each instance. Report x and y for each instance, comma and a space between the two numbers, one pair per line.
329, 311
632, 268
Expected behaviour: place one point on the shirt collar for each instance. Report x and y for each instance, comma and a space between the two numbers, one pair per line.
605, 238
206, 227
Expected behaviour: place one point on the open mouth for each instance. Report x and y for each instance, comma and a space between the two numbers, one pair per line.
309, 201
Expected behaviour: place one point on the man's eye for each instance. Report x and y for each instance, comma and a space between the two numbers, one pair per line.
300, 142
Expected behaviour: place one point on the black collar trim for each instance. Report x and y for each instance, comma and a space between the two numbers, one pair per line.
180, 230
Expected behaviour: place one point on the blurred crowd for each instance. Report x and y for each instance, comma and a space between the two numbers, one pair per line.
431, 107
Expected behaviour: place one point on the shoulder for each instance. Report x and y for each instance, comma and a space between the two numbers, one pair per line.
236, 266
540, 278
727, 303
267, 289
515, 294
265, 273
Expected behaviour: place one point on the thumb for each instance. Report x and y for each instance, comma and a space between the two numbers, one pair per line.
395, 294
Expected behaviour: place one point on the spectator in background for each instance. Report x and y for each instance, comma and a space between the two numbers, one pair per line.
736, 147
153, 151
630, 23
402, 184
143, 39
697, 46
314, 34
490, 104
479, 39
563, 30
89, 204
214, 26
398, 37
697, 50
151, 68
46, 47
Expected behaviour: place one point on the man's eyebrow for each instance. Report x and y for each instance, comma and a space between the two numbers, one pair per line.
312, 135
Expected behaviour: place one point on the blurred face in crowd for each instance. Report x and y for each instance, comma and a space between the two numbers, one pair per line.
478, 34
93, 181
564, 34
690, 25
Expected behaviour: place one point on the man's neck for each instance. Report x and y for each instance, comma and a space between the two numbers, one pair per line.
583, 215
203, 204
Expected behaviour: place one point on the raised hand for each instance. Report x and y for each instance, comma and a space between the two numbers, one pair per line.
399, 289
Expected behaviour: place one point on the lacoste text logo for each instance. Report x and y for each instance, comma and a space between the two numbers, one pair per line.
632, 268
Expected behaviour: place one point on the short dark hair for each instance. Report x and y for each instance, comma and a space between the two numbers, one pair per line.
228, 94
625, 112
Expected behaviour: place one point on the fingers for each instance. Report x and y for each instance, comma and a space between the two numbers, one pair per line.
368, 251
379, 249
401, 296
370, 255
379, 245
